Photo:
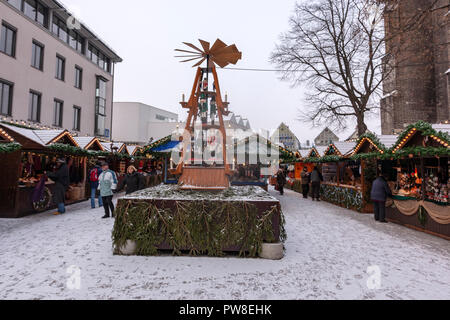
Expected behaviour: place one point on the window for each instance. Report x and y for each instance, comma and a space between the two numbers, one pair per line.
16, 4
100, 107
8, 40
36, 11
58, 113
97, 57
76, 118
60, 68
37, 56
59, 28
78, 77
76, 41
6, 94
34, 110
161, 118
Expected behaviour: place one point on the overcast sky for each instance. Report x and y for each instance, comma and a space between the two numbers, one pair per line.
145, 34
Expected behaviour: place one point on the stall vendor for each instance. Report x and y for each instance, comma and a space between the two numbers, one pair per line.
61, 179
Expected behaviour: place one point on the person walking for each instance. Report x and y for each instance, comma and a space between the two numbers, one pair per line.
379, 194
107, 182
133, 180
94, 174
281, 181
316, 179
305, 182
62, 182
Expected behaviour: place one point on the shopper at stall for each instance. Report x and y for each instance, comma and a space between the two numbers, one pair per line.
379, 194
305, 182
316, 179
133, 180
281, 181
107, 182
62, 182
94, 174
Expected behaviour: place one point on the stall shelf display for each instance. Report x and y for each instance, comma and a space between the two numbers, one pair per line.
419, 172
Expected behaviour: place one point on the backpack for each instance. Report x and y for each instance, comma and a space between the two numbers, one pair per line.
93, 176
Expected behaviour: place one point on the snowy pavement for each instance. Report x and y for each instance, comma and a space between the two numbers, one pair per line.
329, 250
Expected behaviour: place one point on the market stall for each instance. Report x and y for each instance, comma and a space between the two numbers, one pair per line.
359, 169
418, 171
25, 167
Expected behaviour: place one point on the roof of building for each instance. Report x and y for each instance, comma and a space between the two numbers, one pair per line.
344, 147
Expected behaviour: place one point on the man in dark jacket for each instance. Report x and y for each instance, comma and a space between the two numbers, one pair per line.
305, 182
281, 181
62, 182
379, 194
133, 180
316, 179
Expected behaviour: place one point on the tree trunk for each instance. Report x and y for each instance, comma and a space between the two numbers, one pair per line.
362, 127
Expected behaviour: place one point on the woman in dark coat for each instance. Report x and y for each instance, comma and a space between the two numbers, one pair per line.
133, 180
281, 181
379, 194
62, 182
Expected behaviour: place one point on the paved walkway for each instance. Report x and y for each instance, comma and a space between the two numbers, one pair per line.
329, 250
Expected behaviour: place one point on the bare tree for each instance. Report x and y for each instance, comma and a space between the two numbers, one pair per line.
336, 49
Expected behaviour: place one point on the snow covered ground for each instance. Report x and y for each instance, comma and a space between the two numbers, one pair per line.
329, 250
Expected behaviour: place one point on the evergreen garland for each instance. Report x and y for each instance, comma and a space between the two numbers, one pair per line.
9, 147
203, 227
372, 137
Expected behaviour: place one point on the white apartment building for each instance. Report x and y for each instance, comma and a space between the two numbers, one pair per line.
54, 71
137, 123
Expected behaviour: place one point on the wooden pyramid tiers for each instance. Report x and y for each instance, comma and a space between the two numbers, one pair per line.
206, 103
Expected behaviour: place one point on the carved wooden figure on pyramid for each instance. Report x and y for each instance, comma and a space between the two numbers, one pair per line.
214, 176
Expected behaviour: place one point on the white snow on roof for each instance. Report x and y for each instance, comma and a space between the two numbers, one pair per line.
83, 141
304, 152
321, 150
388, 140
47, 135
27, 133
344, 147
107, 145
131, 149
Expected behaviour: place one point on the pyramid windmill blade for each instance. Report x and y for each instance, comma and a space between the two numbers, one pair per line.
191, 59
189, 56
193, 47
205, 45
186, 51
199, 63
219, 44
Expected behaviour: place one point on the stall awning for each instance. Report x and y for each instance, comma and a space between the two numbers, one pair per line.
167, 147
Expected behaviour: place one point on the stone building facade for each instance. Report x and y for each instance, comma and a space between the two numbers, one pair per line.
418, 86
325, 138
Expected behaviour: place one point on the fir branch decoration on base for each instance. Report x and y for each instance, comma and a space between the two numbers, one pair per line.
198, 222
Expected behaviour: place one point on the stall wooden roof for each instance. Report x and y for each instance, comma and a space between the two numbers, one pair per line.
417, 137
133, 149
121, 147
343, 148
37, 139
89, 143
